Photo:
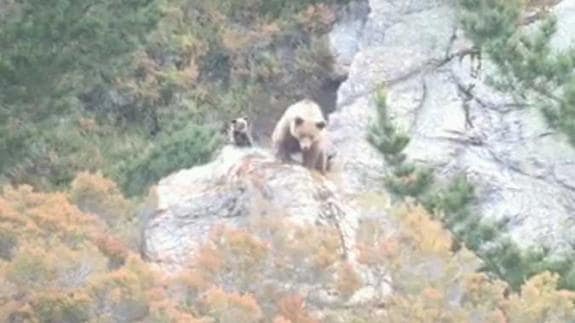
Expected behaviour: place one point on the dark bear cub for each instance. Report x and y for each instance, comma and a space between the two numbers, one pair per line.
239, 132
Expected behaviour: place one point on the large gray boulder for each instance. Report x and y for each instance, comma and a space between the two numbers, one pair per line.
240, 182
524, 172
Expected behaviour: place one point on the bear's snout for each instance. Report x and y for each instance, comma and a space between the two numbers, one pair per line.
305, 144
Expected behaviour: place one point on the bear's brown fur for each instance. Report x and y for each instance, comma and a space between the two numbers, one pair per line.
239, 132
302, 129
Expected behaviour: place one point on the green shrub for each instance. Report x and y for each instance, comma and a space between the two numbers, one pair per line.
409, 180
406, 179
29, 270
455, 198
62, 308
186, 148
384, 136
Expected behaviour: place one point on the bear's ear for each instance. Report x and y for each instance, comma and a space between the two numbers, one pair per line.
298, 121
320, 125
246, 119
234, 121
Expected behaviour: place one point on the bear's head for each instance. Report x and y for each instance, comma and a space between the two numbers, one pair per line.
307, 132
239, 124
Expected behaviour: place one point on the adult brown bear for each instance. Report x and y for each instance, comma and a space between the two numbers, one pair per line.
302, 128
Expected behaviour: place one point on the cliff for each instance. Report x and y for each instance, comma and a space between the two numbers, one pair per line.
523, 171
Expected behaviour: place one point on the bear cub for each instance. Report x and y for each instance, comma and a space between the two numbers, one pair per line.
239, 132
302, 129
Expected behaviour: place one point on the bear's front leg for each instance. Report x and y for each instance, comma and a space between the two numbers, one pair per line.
282, 153
310, 158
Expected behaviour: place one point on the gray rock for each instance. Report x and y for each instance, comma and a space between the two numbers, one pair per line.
565, 12
524, 172
239, 182
343, 37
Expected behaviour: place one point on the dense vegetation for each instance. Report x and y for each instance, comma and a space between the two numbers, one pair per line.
106, 85
71, 257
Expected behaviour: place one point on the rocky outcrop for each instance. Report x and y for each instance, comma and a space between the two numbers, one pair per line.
524, 172
238, 183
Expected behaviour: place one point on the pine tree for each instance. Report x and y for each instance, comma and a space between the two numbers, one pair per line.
529, 67
406, 179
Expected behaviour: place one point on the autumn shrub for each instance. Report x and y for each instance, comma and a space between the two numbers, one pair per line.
292, 308
46, 211
29, 270
95, 194
270, 269
99, 196
541, 301
412, 255
432, 282
263, 264
120, 295
348, 280
59, 269
65, 308
231, 307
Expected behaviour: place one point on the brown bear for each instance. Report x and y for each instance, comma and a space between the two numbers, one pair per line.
302, 129
239, 132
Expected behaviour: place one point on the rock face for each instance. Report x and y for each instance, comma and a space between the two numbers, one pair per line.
523, 171
239, 182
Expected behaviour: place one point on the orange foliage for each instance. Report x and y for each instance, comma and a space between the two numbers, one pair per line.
348, 281
541, 301
233, 246
50, 212
480, 289
112, 247
318, 18
240, 241
322, 244
292, 309
96, 194
378, 252
9, 214
193, 279
428, 235
209, 259
232, 307
57, 269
